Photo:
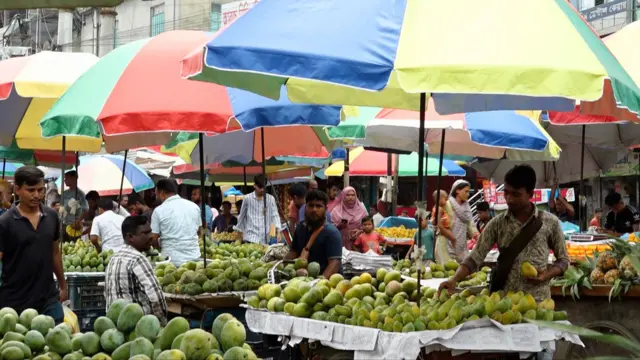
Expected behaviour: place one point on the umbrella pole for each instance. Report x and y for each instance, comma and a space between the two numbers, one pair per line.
421, 151
203, 211
345, 173
244, 176
396, 183
4, 166
581, 218
438, 182
264, 196
124, 169
64, 207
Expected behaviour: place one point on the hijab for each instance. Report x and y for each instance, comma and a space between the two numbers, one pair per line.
458, 184
353, 212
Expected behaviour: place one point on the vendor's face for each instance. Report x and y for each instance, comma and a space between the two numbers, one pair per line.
333, 192
141, 240
195, 195
70, 180
483, 215
517, 199
619, 206
315, 210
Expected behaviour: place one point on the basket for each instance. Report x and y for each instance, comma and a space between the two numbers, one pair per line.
86, 318
85, 293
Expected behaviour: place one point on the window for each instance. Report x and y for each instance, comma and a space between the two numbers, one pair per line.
157, 19
599, 2
216, 17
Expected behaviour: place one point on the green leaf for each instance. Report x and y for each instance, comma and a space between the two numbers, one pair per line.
616, 340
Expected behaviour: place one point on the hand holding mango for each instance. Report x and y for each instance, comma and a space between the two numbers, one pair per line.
528, 270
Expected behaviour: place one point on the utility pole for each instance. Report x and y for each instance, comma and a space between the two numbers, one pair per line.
96, 25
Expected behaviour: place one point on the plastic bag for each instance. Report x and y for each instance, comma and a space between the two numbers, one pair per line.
71, 319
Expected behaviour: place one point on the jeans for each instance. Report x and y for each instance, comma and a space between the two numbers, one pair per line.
54, 309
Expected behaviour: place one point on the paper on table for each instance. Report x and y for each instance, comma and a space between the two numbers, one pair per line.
525, 337
485, 339
312, 329
347, 337
268, 323
548, 334
429, 336
392, 346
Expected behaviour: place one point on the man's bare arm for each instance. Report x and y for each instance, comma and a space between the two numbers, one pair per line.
332, 268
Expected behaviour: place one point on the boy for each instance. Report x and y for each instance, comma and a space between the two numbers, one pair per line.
369, 239
428, 236
484, 215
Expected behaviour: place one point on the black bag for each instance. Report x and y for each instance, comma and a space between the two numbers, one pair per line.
508, 255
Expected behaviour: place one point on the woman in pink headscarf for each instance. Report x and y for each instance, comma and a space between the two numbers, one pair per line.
347, 216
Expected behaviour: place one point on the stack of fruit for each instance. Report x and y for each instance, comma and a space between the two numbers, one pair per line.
225, 236
155, 256
577, 251
614, 264
236, 250
388, 303
300, 268
83, 257
193, 278
398, 232
478, 278
125, 333
441, 271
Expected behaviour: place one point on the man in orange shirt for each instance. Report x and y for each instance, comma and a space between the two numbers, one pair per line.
369, 239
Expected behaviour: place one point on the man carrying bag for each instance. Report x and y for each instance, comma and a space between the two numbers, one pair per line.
523, 234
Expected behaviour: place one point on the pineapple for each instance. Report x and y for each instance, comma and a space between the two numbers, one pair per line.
606, 262
627, 269
611, 276
597, 276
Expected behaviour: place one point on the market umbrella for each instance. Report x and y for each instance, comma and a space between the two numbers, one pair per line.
41, 157
104, 174
380, 56
29, 86
374, 163
9, 168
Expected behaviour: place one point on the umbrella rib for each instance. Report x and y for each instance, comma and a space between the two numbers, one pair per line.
593, 157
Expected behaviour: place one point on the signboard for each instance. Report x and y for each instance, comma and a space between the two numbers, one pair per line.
604, 10
489, 191
233, 10
540, 196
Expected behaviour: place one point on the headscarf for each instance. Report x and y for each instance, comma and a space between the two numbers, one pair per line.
350, 212
458, 184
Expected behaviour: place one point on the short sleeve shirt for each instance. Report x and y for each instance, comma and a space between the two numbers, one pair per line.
177, 221
328, 244
370, 241
622, 221
108, 227
79, 196
27, 260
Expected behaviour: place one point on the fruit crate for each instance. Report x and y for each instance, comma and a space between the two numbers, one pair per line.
85, 293
86, 318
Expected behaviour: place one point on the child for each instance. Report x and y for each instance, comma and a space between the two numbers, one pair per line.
369, 239
427, 237
443, 217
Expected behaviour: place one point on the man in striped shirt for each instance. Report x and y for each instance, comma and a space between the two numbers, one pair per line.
129, 274
251, 221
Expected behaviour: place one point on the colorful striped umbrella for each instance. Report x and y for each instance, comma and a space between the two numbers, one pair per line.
137, 88
385, 53
103, 174
29, 86
9, 168
243, 147
374, 163
42, 157
490, 134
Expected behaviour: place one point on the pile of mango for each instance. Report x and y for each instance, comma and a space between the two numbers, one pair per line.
125, 333
225, 236
83, 257
236, 250
388, 303
398, 232
300, 268
193, 278
154, 256
478, 278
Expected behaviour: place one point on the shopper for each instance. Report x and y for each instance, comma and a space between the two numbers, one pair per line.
106, 228
30, 250
209, 213
175, 224
251, 222
225, 221
484, 215
595, 221
462, 221
622, 218
369, 239
347, 216
74, 203
560, 207
138, 205
130, 276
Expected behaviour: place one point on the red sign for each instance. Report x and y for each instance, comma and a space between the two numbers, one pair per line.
486, 190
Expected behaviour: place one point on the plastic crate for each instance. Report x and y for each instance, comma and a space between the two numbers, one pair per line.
86, 318
85, 293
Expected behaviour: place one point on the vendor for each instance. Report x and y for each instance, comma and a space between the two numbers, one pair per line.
315, 239
622, 218
129, 274
30, 250
523, 233
560, 207
225, 221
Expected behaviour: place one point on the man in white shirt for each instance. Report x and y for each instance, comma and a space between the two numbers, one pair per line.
377, 217
107, 226
251, 222
175, 224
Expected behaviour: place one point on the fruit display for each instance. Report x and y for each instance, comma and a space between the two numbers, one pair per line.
397, 232
633, 238
155, 256
577, 251
193, 278
478, 278
73, 232
225, 236
300, 267
236, 250
388, 303
83, 257
125, 333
